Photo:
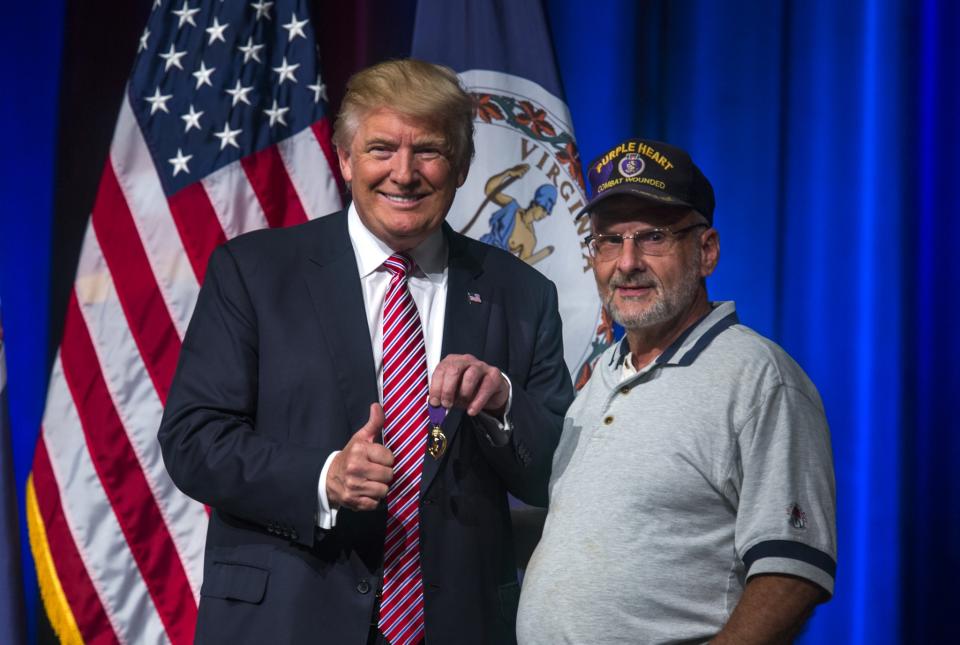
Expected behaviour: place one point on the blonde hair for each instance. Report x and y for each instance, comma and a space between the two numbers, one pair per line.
416, 89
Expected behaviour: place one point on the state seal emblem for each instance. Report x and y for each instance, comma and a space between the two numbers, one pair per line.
523, 189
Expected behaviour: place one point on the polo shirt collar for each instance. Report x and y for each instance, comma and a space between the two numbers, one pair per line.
685, 349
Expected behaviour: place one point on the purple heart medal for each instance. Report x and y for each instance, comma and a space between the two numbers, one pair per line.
438, 440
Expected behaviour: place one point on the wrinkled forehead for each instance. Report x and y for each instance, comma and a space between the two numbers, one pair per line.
621, 210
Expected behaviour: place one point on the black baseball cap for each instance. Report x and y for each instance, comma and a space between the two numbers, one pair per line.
652, 170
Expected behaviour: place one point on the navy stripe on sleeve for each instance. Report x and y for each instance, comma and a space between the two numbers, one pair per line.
793, 550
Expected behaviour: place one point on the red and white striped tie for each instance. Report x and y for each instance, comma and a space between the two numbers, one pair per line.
404, 433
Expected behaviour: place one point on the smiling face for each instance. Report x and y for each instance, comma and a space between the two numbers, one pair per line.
640, 291
401, 177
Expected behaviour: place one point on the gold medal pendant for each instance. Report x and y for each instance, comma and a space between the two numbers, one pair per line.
438, 442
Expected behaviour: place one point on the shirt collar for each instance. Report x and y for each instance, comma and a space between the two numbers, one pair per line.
685, 349
371, 252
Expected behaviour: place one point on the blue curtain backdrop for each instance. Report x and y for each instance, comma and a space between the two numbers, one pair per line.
830, 133
30, 42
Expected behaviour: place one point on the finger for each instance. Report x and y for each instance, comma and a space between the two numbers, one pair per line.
450, 386
363, 487
379, 455
469, 382
377, 473
437, 379
491, 391
372, 490
363, 504
368, 433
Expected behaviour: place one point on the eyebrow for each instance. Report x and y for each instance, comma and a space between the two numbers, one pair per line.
427, 142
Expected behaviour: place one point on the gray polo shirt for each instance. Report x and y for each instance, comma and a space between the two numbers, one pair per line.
673, 485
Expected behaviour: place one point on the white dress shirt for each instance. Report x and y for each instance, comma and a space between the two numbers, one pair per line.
428, 287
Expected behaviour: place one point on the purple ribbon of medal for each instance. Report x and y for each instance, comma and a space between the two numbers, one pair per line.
437, 444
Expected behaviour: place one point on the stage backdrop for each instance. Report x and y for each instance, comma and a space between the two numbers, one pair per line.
828, 130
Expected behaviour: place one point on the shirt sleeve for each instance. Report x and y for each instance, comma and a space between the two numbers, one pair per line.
786, 512
497, 431
326, 516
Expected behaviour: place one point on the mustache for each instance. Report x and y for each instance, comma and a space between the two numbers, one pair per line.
632, 281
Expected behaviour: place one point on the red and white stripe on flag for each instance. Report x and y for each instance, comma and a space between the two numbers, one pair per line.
222, 131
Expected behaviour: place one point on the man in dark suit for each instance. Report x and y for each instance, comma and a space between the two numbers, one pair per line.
333, 519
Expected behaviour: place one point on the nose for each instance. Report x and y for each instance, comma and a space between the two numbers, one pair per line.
631, 259
403, 171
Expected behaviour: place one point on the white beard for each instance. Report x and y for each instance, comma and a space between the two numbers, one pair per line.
667, 306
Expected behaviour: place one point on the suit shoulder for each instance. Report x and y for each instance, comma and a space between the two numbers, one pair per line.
279, 243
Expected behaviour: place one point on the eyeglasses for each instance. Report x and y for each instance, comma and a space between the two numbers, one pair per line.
651, 241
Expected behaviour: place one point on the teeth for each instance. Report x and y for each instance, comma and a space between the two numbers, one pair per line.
401, 199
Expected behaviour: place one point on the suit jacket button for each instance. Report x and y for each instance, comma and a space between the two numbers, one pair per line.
293, 535
363, 586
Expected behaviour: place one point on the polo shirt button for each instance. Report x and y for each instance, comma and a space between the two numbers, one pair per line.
625, 390
363, 586
608, 420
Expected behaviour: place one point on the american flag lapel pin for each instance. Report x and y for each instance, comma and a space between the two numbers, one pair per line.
473, 297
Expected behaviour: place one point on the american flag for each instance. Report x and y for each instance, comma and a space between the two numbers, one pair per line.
222, 130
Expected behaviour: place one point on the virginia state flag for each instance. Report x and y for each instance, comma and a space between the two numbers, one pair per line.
525, 184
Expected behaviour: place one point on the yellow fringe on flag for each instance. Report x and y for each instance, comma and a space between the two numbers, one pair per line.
54, 601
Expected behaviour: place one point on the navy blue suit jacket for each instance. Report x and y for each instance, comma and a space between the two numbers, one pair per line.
277, 371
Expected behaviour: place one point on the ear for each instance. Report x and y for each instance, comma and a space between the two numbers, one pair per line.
462, 176
343, 156
709, 251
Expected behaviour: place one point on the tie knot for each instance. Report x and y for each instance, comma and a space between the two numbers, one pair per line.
399, 264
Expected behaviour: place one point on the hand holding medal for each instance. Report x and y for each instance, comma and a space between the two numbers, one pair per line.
462, 380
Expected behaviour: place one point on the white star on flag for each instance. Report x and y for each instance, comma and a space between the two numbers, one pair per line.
276, 114
286, 71
180, 162
227, 136
158, 101
186, 14
320, 89
203, 75
295, 27
173, 58
143, 40
240, 93
263, 9
250, 50
216, 31
192, 119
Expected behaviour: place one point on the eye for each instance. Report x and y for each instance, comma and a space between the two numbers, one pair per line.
428, 154
379, 151
610, 240
652, 237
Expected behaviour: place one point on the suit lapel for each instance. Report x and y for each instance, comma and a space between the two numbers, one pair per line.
465, 323
332, 277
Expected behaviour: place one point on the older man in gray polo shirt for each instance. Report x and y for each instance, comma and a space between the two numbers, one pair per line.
692, 495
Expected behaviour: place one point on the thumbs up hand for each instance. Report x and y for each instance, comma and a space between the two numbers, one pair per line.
360, 474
